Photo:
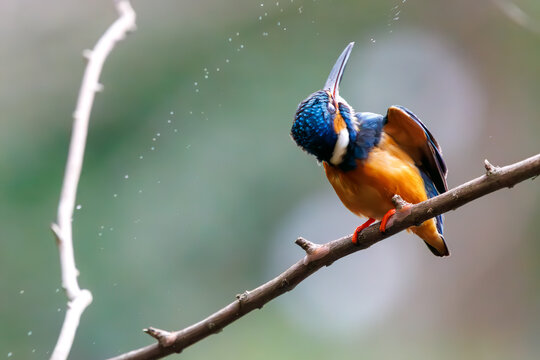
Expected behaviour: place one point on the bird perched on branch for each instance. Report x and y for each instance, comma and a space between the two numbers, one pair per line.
368, 158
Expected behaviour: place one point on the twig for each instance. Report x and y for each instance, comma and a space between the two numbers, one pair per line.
79, 299
164, 338
517, 15
255, 299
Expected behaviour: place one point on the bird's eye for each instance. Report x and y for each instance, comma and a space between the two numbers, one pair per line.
331, 108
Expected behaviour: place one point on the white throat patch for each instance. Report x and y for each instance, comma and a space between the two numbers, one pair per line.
340, 149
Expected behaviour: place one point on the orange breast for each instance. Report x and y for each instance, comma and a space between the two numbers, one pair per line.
368, 189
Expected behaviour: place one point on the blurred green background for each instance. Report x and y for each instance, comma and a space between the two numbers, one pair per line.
192, 190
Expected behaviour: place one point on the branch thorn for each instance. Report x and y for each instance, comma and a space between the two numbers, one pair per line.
398, 202
164, 338
87, 54
307, 245
243, 296
313, 251
490, 169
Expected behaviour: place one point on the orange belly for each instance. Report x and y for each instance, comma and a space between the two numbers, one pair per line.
368, 189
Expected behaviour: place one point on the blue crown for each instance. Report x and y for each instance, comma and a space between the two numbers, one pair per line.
313, 128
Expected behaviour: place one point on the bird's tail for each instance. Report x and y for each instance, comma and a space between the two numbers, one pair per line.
428, 231
440, 248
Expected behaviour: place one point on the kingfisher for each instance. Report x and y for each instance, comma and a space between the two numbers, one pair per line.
368, 158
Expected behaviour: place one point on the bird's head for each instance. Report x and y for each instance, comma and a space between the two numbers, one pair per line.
324, 124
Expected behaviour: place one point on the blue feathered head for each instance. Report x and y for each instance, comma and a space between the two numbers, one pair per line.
313, 128
323, 124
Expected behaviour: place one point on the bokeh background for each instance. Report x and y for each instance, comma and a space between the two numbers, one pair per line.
192, 190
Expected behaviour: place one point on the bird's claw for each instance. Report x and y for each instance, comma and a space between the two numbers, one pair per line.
360, 228
389, 218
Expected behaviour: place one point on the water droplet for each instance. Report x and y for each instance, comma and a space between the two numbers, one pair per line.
230, 39
265, 14
260, 17
152, 148
158, 134
284, 29
175, 130
9, 354
396, 18
373, 40
279, 23
265, 33
196, 90
227, 60
33, 350
196, 83
188, 146
300, 10
153, 139
242, 46
159, 181
126, 176
21, 292
191, 113
262, 4
58, 309
142, 157
115, 195
172, 112
217, 69
237, 34
29, 333
100, 234
140, 191
111, 229
169, 121
78, 207
57, 290
102, 227
205, 70
206, 76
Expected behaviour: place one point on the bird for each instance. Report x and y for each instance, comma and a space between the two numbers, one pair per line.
368, 158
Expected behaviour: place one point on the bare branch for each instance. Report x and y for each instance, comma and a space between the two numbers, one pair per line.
507, 176
517, 15
79, 299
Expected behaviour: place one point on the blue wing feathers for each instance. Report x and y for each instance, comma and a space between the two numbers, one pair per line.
431, 191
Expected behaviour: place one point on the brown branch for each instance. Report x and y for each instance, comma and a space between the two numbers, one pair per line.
318, 256
79, 299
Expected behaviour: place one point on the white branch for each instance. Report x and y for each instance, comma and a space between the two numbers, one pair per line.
79, 299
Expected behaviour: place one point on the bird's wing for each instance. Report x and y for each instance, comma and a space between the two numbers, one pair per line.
416, 140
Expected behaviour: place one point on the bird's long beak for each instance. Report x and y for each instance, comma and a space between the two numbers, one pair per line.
332, 83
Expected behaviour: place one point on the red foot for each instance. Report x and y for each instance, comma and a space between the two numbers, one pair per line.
385, 219
360, 228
